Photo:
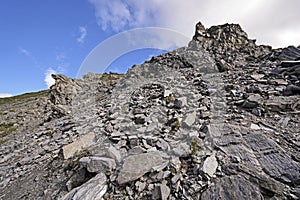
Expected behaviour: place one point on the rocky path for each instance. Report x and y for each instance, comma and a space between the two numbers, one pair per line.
218, 119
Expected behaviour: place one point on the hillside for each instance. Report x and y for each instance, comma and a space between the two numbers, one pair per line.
218, 119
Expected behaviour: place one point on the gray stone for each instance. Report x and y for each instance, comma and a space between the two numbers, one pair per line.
189, 120
163, 145
78, 145
274, 162
183, 101
114, 153
233, 187
95, 189
164, 190
136, 166
151, 127
210, 165
167, 93
140, 186
98, 164
182, 150
255, 126
77, 179
284, 121
139, 119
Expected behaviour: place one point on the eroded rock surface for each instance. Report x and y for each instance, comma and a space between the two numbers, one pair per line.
218, 119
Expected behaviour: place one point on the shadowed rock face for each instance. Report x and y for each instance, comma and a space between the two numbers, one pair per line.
218, 119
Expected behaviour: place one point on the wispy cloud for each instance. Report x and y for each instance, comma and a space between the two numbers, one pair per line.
29, 55
24, 51
60, 57
48, 78
3, 95
256, 16
83, 34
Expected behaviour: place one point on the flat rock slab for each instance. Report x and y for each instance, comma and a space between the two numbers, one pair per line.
94, 189
136, 166
76, 146
233, 187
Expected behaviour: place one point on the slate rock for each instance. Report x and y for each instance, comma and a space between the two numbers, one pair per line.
291, 90
135, 166
95, 189
233, 187
98, 164
78, 145
182, 150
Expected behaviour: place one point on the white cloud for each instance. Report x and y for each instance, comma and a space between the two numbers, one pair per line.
3, 95
267, 21
83, 34
48, 78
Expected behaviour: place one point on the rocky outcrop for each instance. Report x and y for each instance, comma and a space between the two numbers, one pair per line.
218, 119
230, 46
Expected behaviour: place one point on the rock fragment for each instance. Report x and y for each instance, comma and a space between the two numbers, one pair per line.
78, 145
95, 188
210, 165
136, 166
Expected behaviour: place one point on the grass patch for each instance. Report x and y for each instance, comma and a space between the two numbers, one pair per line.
7, 128
194, 146
4, 141
100, 98
170, 99
23, 96
177, 123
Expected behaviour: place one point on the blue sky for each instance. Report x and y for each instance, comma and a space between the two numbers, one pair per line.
40, 37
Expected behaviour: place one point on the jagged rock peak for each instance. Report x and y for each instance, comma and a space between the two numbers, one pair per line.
226, 33
230, 46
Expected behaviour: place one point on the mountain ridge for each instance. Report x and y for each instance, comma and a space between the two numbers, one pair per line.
216, 119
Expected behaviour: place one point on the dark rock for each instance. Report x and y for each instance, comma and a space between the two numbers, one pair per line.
233, 187
136, 166
291, 90
177, 104
290, 53
95, 188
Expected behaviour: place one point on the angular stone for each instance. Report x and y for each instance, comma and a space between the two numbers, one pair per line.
255, 98
183, 101
177, 104
136, 166
164, 190
139, 119
255, 126
140, 186
94, 189
189, 119
210, 165
98, 164
114, 153
167, 93
78, 145
182, 150
257, 76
